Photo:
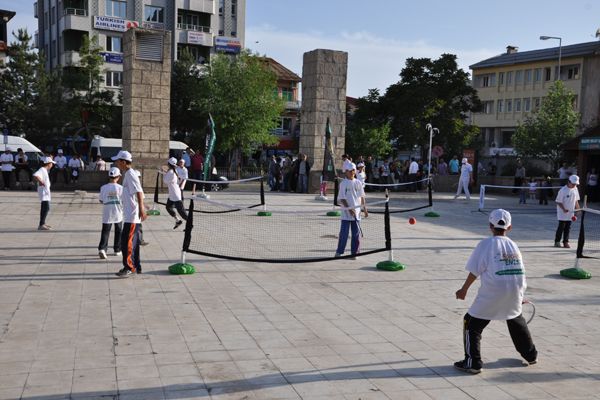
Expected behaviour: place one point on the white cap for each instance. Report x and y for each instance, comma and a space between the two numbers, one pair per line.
172, 161
114, 172
60, 151
500, 219
360, 164
123, 155
464, 160
47, 160
574, 179
348, 166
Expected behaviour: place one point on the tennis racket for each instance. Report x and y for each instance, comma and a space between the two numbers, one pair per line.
528, 310
359, 228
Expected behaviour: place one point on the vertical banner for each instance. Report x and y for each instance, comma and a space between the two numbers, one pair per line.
328, 161
211, 138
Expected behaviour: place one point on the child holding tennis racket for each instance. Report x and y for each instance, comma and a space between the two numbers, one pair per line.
498, 261
351, 196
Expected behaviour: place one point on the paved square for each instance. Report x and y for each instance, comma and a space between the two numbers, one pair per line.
69, 329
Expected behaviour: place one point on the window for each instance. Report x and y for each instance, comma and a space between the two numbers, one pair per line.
537, 75
500, 78
519, 77
287, 94
575, 103
547, 74
509, 104
509, 78
113, 43
528, 76
116, 8
517, 105
233, 34
507, 138
487, 107
536, 103
113, 78
53, 15
54, 48
233, 8
573, 72
221, 6
154, 14
500, 106
527, 104
221, 32
486, 80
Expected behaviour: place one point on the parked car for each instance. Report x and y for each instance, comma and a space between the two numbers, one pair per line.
109, 147
34, 154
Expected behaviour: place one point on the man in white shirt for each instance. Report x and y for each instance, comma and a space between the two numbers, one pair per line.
567, 201
61, 165
498, 262
21, 163
465, 179
6, 161
413, 170
43, 180
351, 196
76, 166
134, 212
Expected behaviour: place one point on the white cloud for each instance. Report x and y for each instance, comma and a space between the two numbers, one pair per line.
373, 61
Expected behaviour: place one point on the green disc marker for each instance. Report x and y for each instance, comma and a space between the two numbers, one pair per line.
333, 213
182, 269
432, 214
264, 213
391, 266
153, 212
575, 273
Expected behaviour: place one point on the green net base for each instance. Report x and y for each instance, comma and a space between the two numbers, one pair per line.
390, 266
182, 269
575, 273
153, 212
432, 214
264, 214
333, 213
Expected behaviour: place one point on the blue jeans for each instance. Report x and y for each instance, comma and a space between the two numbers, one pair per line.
302, 183
343, 237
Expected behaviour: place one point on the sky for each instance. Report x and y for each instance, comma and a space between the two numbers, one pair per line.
379, 35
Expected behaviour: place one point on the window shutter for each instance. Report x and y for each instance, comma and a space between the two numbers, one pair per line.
149, 47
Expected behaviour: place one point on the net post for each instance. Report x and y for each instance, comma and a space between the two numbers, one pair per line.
481, 197
154, 210
432, 212
183, 268
389, 264
334, 212
262, 190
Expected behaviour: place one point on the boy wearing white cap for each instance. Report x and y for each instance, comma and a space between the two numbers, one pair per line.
171, 179
134, 212
498, 261
112, 212
43, 180
466, 177
567, 201
351, 196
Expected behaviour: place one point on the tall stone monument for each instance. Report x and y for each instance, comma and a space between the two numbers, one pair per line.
324, 75
146, 99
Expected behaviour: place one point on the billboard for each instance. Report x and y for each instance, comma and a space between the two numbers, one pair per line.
228, 44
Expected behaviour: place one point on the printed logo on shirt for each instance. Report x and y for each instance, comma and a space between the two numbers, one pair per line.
511, 271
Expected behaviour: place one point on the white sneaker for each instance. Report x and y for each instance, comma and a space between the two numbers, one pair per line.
102, 254
118, 253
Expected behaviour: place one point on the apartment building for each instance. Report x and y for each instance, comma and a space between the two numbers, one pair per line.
512, 85
202, 26
5, 16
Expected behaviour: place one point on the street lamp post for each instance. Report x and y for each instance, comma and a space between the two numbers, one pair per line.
559, 49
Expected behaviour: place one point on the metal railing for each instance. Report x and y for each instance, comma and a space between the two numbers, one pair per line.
191, 27
76, 11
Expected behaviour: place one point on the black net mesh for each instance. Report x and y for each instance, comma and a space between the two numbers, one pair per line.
519, 200
403, 197
588, 244
280, 237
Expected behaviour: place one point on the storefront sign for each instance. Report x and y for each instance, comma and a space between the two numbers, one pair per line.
112, 58
110, 23
589, 143
228, 44
195, 37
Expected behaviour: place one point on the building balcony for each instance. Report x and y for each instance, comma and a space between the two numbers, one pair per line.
75, 19
197, 28
70, 58
293, 105
76, 11
205, 6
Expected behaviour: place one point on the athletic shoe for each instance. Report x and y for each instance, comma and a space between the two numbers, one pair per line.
144, 243
44, 228
532, 362
138, 270
178, 223
124, 273
566, 245
118, 253
337, 255
556, 244
461, 365
102, 254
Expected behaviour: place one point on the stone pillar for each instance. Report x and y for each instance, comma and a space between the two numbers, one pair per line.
146, 99
323, 96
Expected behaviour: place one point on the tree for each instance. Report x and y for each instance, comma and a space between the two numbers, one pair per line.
544, 131
240, 95
436, 92
185, 90
367, 129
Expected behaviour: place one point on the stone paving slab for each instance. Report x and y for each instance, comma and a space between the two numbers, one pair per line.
69, 329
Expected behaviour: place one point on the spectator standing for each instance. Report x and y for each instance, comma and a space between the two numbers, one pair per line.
545, 192
7, 160
360, 174
43, 180
100, 164
465, 179
61, 166
76, 165
134, 212
369, 170
112, 213
453, 166
413, 170
303, 173
187, 157
563, 174
182, 174
567, 201
497, 260
197, 162
22, 164
442, 168
592, 185
287, 173
520, 175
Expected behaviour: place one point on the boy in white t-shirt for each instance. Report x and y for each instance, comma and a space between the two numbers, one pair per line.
112, 212
351, 196
567, 201
498, 262
43, 180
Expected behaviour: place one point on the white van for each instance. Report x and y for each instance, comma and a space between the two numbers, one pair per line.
34, 155
109, 147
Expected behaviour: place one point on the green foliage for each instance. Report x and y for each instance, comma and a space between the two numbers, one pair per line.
373, 141
436, 92
238, 92
185, 91
543, 133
